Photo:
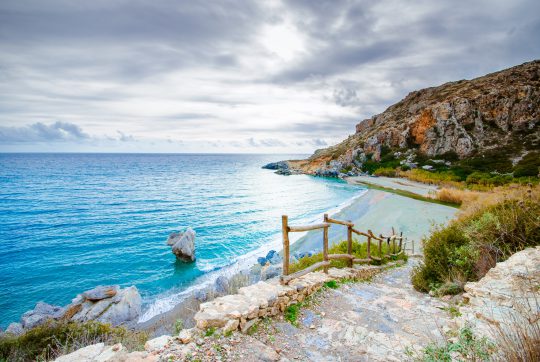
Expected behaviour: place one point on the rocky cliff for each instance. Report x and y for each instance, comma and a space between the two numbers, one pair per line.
496, 116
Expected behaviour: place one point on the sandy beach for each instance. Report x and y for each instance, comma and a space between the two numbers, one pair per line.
395, 184
379, 211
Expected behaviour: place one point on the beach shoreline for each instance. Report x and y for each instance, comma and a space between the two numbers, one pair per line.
375, 209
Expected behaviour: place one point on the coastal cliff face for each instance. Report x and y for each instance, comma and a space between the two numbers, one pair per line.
495, 114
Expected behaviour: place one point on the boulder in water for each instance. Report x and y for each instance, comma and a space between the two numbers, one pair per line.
183, 244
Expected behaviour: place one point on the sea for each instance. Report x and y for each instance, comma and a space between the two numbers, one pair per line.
70, 222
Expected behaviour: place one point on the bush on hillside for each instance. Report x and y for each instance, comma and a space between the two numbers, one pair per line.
466, 249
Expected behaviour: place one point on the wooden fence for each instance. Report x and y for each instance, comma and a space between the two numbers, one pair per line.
395, 243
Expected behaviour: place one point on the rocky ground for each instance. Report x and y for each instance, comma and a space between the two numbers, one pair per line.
377, 320
380, 320
383, 319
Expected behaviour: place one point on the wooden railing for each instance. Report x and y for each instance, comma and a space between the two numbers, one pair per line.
396, 249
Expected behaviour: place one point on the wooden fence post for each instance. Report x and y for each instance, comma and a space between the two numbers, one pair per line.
285, 230
325, 247
400, 240
349, 244
369, 247
380, 247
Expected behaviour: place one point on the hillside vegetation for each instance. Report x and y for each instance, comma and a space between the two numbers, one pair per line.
492, 226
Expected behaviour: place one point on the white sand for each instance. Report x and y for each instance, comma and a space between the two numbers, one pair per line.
379, 211
396, 184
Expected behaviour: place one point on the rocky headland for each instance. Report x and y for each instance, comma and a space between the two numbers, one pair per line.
494, 120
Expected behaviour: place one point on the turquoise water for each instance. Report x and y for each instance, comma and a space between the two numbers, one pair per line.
69, 222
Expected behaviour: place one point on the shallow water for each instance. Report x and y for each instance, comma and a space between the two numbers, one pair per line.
69, 222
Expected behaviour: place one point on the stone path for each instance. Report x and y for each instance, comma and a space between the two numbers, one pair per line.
364, 321
379, 320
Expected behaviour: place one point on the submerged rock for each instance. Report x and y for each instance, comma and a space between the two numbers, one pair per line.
183, 244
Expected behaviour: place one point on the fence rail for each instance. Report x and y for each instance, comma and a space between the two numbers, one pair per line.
397, 247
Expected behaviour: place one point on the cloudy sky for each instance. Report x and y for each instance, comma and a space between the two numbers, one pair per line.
235, 76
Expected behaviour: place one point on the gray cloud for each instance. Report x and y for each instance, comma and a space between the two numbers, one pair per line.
266, 142
169, 70
40, 132
126, 137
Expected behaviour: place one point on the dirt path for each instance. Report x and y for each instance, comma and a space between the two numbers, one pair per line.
363, 321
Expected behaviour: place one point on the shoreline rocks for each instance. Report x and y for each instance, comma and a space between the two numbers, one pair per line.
106, 304
281, 165
122, 307
183, 244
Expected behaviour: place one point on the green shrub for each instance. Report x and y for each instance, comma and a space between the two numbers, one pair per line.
529, 165
466, 249
55, 338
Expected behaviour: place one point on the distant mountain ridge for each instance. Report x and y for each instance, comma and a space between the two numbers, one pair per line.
495, 116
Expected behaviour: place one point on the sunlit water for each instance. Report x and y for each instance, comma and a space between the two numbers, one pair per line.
69, 222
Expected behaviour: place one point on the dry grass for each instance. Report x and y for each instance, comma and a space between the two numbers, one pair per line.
518, 339
457, 196
473, 201
476, 201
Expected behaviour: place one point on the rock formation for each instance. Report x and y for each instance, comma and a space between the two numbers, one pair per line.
505, 302
106, 304
183, 244
499, 112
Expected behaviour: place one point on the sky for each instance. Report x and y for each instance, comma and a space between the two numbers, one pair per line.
235, 76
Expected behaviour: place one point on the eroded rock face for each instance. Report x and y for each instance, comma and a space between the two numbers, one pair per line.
506, 298
467, 117
183, 244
